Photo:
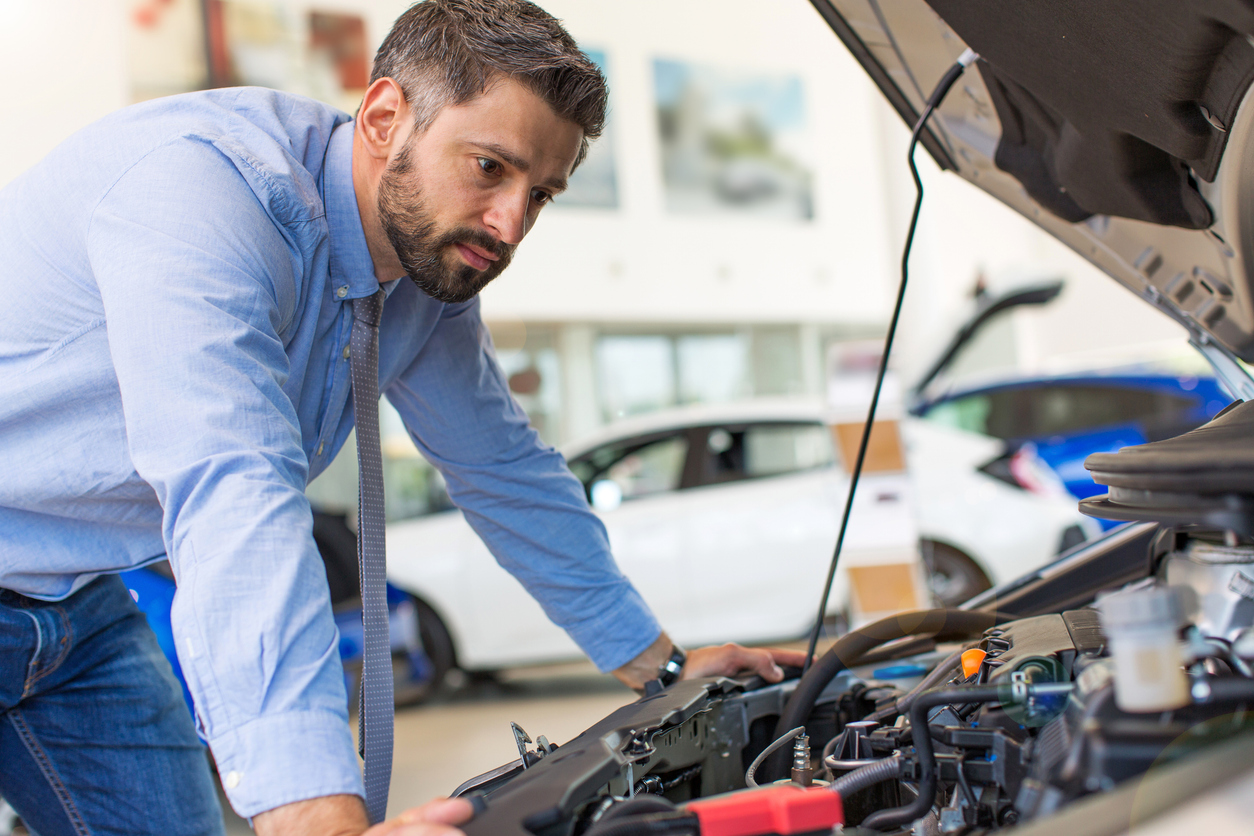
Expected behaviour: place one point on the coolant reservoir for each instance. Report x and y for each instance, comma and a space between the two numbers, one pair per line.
1141, 628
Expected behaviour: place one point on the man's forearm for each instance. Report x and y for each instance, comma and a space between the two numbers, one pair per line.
331, 815
645, 666
345, 815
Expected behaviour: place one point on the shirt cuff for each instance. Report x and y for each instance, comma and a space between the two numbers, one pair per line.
278, 759
619, 633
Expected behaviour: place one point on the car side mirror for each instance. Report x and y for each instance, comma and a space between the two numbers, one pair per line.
606, 495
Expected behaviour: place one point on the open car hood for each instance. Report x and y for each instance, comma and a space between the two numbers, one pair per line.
1125, 129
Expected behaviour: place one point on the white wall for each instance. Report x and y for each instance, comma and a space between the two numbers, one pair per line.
640, 262
62, 66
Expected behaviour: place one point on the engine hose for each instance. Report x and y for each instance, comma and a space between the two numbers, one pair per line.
944, 624
641, 815
869, 775
1208, 689
947, 668
924, 754
647, 825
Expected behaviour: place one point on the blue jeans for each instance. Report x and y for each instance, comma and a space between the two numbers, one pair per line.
94, 735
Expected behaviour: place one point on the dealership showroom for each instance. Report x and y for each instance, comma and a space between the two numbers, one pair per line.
859, 442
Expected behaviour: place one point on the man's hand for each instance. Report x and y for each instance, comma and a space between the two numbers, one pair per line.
435, 818
345, 815
731, 659
723, 660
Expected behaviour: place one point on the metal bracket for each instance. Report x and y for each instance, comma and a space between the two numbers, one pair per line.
521, 739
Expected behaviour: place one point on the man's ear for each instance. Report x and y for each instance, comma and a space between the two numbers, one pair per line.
384, 121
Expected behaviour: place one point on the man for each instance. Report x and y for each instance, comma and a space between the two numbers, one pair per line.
175, 368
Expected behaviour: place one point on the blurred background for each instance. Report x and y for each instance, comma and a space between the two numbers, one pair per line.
734, 237
744, 211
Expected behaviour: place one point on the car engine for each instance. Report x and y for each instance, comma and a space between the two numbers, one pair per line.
1130, 658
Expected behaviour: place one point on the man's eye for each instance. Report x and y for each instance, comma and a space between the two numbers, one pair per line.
541, 197
489, 166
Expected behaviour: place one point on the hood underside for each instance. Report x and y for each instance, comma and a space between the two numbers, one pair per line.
1124, 128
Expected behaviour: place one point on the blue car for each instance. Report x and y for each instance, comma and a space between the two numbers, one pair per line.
422, 653
1063, 419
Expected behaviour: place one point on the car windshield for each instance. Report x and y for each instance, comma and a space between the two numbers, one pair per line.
637, 468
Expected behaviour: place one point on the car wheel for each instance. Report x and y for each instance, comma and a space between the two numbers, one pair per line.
417, 676
952, 577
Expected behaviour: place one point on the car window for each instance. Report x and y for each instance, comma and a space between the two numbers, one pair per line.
1062, 409
969, 413
638, 469
762, 450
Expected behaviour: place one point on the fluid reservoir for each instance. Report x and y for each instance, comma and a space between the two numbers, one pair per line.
1142, 631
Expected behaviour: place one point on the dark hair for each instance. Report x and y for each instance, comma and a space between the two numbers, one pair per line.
444, 52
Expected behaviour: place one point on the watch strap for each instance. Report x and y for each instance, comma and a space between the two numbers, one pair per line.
668, 672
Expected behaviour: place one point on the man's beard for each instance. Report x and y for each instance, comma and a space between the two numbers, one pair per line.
421, 248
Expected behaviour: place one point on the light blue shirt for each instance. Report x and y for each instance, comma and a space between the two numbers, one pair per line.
173, 372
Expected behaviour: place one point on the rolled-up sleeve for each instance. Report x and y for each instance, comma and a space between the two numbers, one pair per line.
517, 492
198, 284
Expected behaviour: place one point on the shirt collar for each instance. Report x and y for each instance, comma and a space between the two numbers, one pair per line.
351, 265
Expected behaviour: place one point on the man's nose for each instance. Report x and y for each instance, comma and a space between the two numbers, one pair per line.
509, 216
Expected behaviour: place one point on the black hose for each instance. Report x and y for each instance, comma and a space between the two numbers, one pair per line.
924, 754
1234, 689
944, 624
941, 672
643, 815
866, 776
647, 825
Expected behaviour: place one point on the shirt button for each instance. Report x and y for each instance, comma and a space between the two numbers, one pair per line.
231, 780
346, 352
341, 292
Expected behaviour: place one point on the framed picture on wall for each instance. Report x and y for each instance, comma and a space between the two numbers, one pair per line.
732, 141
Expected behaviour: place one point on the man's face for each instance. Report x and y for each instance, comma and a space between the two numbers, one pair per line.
459, 197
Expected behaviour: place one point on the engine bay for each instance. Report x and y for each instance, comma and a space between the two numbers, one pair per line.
1054, 694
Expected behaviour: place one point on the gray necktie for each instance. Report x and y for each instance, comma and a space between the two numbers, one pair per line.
376, 710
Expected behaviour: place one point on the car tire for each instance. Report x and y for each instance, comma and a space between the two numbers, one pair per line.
952, 576
438, 646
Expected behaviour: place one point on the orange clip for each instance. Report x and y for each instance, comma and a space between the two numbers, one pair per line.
971, 661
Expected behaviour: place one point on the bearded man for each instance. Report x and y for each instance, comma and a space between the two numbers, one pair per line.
175, 360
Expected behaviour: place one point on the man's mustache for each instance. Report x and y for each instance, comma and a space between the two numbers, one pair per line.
478, 238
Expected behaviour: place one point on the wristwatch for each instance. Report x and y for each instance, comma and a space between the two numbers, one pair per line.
668, 671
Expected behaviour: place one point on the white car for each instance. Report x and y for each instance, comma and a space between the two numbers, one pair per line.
696, 500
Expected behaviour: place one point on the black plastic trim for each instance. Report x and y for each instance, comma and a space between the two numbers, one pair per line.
1074, 580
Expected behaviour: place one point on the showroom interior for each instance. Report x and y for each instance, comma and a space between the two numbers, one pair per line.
728, 252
